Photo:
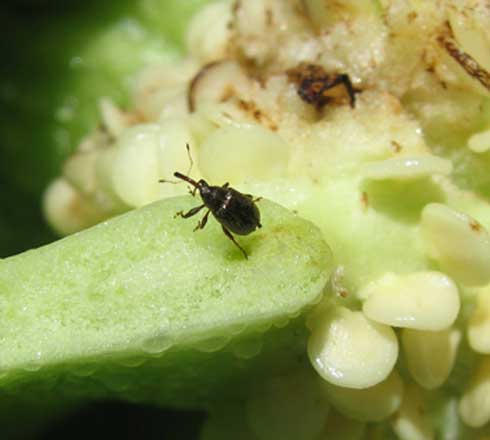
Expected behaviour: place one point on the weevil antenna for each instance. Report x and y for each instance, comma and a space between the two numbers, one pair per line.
191, 162
181, 176
173, 182
185, 178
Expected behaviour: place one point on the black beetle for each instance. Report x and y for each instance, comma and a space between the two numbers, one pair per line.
236, 212
317, 87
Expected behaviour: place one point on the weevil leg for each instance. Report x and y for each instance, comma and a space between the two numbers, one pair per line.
226, 185
201, 223
228, 234
350, 90
189, 213
346, 82
173, 182
254, 199
192, 191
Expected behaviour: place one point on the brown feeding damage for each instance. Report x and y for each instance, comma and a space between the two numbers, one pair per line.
475, 226
262, 118
466, 61
395, 146
317, 87
364, 200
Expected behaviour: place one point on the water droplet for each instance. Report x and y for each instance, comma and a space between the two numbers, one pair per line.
248, 348
262, 327
66, 112
116, 383
32, 366
84, 370
157, 344
281, 322
131, 362
213, 344
236, 329
295, 313
76, 62
35, 364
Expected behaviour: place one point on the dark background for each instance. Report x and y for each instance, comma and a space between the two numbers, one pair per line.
124, 421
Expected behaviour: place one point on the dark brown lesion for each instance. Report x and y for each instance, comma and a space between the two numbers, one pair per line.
318, 87
412, 16
447, 40
256, 113
191, 90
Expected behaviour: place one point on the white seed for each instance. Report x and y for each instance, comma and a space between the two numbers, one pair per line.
290, 407
113, 118
474, 406
79, 170
349, 350
411, 422
450, 423
480, 142
135, 168
238, 154
324, 14
459, 243
420, 300
369, 404
158, 85
105, 194
217, 83
175, 106
66, 210
252, 28
430, 355
212, 116
209, 32
409, 167
200, 125
479, 324
147, 153
172, 155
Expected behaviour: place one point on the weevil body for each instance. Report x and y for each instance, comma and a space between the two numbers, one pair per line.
236, 212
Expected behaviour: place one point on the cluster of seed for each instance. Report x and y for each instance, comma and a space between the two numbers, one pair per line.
355, 352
